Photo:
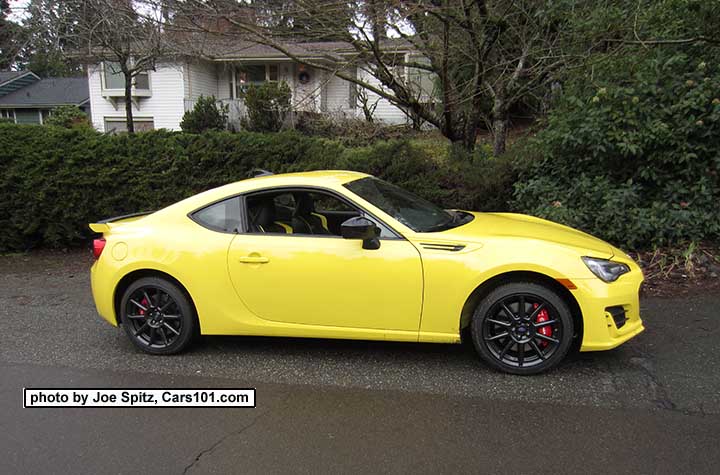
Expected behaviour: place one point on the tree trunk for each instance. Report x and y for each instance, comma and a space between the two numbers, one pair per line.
500, 130
500, 126
469, 138
128, 103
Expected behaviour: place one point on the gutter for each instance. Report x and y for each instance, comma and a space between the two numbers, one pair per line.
41, 106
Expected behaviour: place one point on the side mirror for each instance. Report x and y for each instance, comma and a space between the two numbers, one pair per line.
361, 228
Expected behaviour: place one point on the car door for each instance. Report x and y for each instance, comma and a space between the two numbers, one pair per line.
323, 279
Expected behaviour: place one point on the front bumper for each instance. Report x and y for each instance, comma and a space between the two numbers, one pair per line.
611, 312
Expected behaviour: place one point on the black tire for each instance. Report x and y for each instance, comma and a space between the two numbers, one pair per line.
164, 327
522, 328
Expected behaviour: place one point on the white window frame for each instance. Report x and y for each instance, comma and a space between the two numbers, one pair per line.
238, 69
135, 91
123, 120
37, 111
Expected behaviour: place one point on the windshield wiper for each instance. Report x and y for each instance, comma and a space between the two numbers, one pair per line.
457, 219
442, 226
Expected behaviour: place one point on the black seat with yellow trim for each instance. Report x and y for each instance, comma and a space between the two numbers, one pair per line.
263, 219
305, 220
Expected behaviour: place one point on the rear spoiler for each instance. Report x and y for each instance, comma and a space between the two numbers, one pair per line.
103, 226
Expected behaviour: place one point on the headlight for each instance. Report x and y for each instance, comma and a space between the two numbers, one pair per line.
607, 271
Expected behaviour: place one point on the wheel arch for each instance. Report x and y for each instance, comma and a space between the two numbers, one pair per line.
131, 277
482, 290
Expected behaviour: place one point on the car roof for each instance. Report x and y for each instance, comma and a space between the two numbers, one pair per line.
320, 178
317, 177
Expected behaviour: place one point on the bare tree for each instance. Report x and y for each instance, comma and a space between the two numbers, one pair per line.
480, 57
367, 105
115, 33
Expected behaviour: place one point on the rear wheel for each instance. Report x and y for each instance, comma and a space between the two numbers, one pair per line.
157, 316
522, 328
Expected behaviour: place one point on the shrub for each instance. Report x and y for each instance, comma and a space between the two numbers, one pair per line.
205, 115
638, 165
267, 106
68, 117
54, 181
351, 131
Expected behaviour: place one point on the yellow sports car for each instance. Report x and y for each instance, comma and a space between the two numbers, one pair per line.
338, 254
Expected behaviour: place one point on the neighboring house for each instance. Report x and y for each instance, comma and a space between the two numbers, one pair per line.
161, 96
27, 99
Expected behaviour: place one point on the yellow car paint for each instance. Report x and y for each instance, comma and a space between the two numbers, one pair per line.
410, 289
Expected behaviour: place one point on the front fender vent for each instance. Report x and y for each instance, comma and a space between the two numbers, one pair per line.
434, 246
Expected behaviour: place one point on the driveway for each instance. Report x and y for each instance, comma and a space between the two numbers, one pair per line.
652, 405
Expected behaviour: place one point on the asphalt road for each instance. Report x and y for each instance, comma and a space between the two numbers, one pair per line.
651, 406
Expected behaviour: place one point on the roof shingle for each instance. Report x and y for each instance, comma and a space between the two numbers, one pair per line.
51, 91
8, 75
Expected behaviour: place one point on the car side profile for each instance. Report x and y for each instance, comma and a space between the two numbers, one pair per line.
339, 254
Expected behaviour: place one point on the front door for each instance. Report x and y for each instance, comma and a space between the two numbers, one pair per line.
292, 266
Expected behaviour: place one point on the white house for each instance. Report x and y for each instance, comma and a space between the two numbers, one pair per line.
161, 96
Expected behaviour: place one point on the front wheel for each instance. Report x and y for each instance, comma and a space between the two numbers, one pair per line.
522, 328
157, 316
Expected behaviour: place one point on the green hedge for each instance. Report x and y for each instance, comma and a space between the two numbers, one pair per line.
54, 181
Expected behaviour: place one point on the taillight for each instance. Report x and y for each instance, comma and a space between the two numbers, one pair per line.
98, 246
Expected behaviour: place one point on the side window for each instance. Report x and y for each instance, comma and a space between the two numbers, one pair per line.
320, 214
284, 207
271, 213
302, 212
334, 212
223, 216
385, 232
329, 203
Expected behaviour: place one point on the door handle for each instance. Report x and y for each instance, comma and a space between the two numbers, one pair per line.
254, 260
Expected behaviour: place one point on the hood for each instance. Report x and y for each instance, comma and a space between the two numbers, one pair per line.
488, 225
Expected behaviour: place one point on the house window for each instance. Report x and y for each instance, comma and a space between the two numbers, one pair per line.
118, 124
254, 74
7, 114
142, 81
27, 116
113, 77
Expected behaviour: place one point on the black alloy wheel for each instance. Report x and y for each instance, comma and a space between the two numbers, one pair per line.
522, 328
157, 316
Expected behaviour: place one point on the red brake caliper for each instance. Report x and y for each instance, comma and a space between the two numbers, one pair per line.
144, 303
543, 316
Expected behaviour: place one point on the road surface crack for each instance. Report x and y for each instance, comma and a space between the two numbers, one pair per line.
662, 398
220, 441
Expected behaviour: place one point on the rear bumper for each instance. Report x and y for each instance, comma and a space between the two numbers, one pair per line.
599, 301
103, 291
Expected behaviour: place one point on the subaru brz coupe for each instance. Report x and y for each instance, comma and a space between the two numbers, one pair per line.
338, 254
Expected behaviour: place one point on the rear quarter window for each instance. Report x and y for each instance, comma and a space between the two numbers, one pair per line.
223, 216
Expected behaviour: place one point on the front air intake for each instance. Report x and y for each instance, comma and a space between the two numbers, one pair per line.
618, 315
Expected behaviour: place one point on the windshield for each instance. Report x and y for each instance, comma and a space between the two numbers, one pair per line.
414, 212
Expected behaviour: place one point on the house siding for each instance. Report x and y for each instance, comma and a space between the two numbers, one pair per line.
336, 95
385, 111
166, 105
201, 79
